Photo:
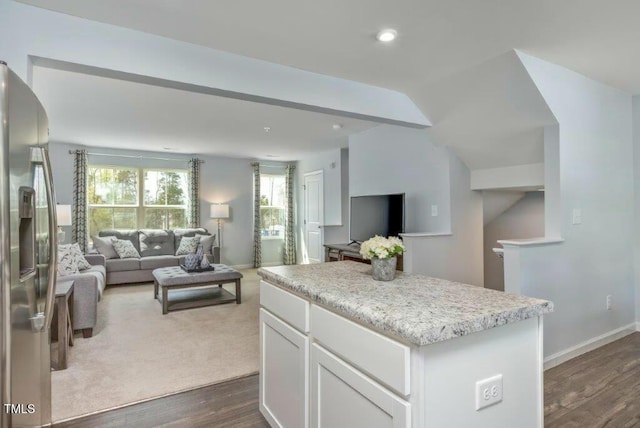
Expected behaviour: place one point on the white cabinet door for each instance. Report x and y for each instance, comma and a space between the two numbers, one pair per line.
284, 373
341, 396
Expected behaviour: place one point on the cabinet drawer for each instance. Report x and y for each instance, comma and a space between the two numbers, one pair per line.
377, 355
341, 396
285, 305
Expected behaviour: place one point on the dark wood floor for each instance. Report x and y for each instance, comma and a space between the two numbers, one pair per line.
597, 389
228, 404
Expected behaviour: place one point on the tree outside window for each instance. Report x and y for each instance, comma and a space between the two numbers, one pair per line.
272, 205
165, 199
112, 198
118, 199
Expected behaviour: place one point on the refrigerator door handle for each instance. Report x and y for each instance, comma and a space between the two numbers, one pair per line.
53, 239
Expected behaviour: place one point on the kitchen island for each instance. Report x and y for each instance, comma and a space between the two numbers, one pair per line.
340, 349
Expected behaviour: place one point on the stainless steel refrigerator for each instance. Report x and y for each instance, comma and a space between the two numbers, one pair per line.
27, 255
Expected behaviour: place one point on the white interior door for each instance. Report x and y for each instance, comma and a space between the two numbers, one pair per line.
313, 215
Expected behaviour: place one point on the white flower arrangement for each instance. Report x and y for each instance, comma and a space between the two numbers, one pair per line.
381, 247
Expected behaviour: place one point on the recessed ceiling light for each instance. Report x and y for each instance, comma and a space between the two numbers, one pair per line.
167, 148
387, 35
267, 129
271, 156
337, 126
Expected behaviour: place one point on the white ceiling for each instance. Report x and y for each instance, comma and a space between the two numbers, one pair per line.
97, 111
491, 114
436, 38
453, 58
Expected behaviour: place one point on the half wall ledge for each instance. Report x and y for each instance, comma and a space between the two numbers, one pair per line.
530, 241
424, 234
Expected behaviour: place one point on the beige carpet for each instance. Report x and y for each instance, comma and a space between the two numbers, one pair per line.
136, 353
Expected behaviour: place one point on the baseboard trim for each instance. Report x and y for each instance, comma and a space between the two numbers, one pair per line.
242, 266
589, 345
249, 266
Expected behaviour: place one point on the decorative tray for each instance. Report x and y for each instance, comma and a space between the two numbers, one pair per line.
198, 269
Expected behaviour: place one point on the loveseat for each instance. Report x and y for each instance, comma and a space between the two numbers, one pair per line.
88, 286
157, 249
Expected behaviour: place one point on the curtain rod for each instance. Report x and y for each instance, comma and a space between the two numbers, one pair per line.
273, 165
134, 157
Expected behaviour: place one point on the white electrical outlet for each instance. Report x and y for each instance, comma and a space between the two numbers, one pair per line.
577, 216
488, 391
434, 211
609, 305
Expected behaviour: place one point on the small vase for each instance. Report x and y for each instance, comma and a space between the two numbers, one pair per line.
200, 254
383, 269
204, 264
191, 261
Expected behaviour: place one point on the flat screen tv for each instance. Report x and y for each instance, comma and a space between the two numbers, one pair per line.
376, 215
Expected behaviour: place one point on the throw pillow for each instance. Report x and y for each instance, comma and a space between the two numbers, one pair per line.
66, 261
81, 262
188, 245
207, 242
125, 249
104, 245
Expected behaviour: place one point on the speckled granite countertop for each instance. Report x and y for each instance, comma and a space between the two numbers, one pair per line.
416, 308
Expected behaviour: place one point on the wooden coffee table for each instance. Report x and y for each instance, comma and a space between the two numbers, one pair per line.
194, 289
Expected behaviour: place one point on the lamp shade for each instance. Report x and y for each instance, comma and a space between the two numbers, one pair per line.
63, 214
219, 211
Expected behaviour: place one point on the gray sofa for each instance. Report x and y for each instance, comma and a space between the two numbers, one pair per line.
88, 286
157, 248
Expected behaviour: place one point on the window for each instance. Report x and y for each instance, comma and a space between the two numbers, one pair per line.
165, 199
272, 206
113, 198
119, 199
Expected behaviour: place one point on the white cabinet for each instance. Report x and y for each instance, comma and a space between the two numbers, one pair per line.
383, 359
289, 308
284, 373
341, 396
321, 370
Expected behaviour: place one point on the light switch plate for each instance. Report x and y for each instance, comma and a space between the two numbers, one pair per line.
434, 211
577, 216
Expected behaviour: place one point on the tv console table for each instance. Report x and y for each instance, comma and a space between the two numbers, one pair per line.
338, 252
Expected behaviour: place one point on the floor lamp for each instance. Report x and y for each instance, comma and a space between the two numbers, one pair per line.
219, 212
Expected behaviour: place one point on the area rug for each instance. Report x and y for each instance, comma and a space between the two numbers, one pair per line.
136, 353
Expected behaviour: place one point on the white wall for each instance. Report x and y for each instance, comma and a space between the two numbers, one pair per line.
524, 219
518, 176
595, 170
335, 168
223, 180
495, 202
389, 159
340, 234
